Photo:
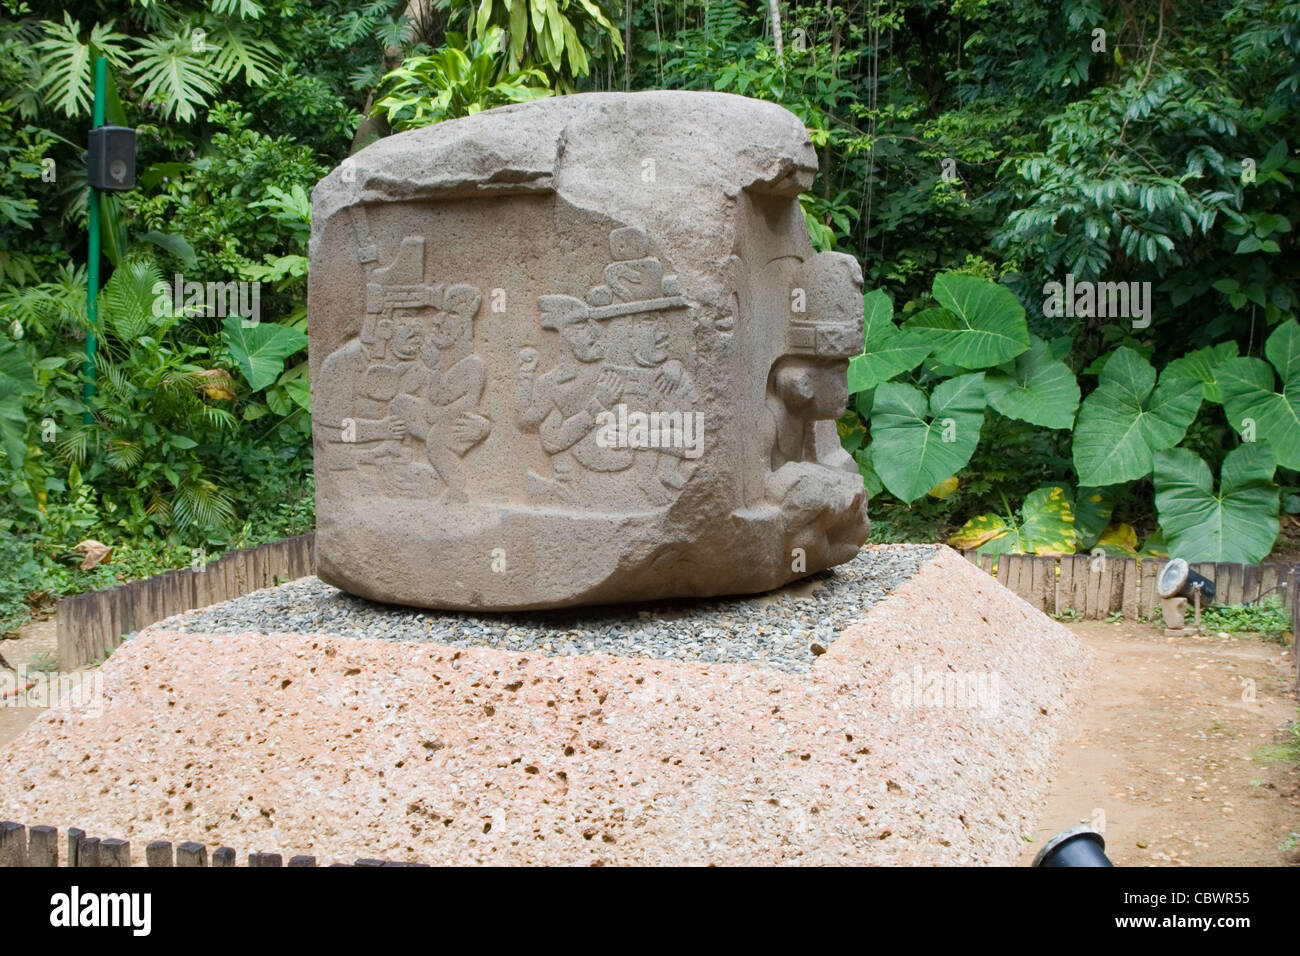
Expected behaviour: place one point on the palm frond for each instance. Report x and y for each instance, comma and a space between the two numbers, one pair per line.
175, 75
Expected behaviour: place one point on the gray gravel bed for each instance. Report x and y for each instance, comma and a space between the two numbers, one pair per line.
785, 629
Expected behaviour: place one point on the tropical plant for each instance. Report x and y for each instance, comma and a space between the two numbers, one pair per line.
553, 36
457, 80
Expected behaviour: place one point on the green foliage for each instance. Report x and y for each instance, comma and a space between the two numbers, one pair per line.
1045, 525
1128, 418
1237, 523
1268, 617
1035, 388
1250, 401
457, 80
979, 323
919, 441
887, 351
552, 36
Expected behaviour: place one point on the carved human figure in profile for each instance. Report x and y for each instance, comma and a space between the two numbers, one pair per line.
814, 480
563, 404
453, 389
382, 363
661, 386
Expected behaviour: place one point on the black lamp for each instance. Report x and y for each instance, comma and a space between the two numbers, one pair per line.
1178, 580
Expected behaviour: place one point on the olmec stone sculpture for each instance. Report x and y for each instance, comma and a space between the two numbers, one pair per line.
580, 351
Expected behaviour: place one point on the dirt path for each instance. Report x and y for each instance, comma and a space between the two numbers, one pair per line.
37, 646
1175, 758
1172, 756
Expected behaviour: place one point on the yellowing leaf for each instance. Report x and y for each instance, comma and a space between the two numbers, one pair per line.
1118, 539
979, 530
1048, 516
944, 488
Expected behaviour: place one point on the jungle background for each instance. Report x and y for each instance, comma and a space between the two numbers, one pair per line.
972, 152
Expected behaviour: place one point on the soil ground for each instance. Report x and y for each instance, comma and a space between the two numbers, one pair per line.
1186, 755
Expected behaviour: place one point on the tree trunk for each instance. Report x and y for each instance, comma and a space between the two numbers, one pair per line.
774, 10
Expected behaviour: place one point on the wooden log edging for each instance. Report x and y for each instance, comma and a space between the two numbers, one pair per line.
1096, 586
39, 846
91, 625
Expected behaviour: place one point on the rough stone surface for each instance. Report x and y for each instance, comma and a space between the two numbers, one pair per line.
346, 748
786, 629
580, 351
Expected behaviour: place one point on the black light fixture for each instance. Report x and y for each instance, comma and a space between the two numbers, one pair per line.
1077, 846
1178, 580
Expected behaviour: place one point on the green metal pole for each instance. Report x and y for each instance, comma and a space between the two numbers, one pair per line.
92, 265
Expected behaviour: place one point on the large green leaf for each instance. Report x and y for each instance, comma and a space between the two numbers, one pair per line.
1238, 523
1039, 389
1124, 422
1249, 398
176, 77
980, 323
1092, 511
1046, 526
17, 382
887, 351
916, 444
260, 350
1201, 366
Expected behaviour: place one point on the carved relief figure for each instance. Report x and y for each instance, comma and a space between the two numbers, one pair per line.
562, 405
454, 389
815, 482
661, 386
566, 404
411, 377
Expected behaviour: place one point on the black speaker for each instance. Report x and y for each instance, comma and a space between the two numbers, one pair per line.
110, 159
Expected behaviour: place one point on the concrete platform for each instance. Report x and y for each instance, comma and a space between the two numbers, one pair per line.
923, 736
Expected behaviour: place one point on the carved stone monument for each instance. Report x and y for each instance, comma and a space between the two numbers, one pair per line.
580, 351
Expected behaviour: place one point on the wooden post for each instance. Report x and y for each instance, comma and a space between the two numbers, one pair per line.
42, 846
13, 844
1098, 588
75, 836
1042, 573
119, 611
1268, 581
258, 573
1148, 572
88, 852
158, 853
1115, 601
1065, 585
1082, 577
265, 859
124, 598
239, 561
1252, 575
191, 854
71, 632
223, 856
1129, 599
113, 852
302, 861
1227, 580
104, 622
